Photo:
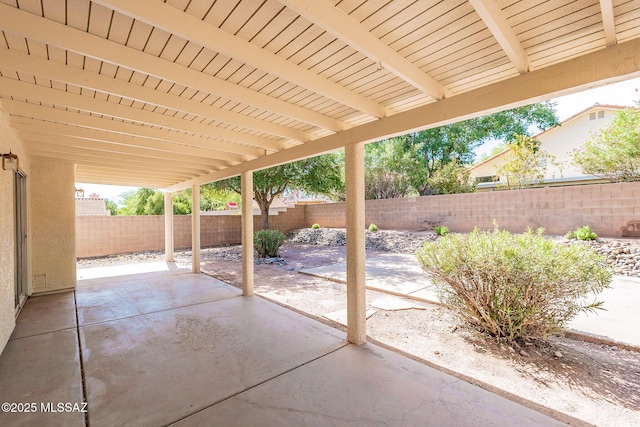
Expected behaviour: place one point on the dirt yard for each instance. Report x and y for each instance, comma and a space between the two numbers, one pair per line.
576, 382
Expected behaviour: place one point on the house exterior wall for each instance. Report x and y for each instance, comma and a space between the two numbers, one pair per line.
106, 235
52, 195
9, 141
610, 209
561, 142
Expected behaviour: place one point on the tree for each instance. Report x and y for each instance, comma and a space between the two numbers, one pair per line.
427, 151
525, 163
383, 174
111, 206
148, 201
614, 152
316, 175
451, 178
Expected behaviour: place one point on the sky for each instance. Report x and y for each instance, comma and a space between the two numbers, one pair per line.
623, 93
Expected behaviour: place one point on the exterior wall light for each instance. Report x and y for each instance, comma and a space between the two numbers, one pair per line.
79, 193
10, 162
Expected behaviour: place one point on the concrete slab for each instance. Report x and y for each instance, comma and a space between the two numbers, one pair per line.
340, 316
46, 313
146, 294
367, 386
127, 272
619, 321
396, 274
42, 369
394, 304
157, 368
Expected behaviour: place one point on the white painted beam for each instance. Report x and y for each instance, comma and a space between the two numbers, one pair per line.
19, 110
356, 255
174, 21
119, 139
24, 63
608, 21
195, 228
247, 232
168, 227
46, 31
497, 23
33, 92
609, 65
325, 15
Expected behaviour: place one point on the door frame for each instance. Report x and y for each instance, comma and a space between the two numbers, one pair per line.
21, 285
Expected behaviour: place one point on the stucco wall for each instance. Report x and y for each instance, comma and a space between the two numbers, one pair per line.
610, 209
53, 232
105, 235
8, 142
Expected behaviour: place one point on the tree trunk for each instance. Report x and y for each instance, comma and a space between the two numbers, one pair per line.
264, 211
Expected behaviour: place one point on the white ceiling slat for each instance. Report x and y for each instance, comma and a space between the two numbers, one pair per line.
190, 28
615, 63
495, 20
351, 32
606, 7
123, 139
80, 42
23, 109
29, 91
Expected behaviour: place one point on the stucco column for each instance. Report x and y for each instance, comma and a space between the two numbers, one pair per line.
247, 233
356, 255
195, 228
168, 227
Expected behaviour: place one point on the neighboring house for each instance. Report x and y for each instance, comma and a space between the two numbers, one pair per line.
92, 206
560, 141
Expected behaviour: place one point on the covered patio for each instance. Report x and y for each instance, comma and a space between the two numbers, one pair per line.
177, 348
177, 94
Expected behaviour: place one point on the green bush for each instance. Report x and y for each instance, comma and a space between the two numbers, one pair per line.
441, 230
268, 242
373, 227
582, 233
315, 226
514, 285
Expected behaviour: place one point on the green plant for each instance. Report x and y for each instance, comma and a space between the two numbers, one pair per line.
514, 285
315, 226
373, 227
582, 233
268, 242
441, 230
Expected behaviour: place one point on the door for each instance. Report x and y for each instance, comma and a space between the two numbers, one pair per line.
20, 197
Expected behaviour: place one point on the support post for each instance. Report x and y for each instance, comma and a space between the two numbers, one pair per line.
356, 255
195, 228
247, 232
168, 227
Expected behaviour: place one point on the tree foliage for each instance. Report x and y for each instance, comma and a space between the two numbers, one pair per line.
149, 201
614, 152
316, 175
111, 206
418, 160
525, 163
451, 178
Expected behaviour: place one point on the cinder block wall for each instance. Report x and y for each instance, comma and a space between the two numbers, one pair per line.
106, 235
610, 209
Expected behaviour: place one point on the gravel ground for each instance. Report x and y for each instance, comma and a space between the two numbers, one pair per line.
622, 254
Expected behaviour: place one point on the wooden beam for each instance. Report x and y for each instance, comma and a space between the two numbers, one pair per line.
327, 16
33, 92
24, 63
608, 65
497, 23
49, 32
608, 22
179, 140
174, 21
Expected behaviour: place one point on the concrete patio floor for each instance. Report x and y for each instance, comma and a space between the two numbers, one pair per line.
175, 348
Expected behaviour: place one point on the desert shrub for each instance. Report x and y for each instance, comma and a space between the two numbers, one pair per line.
268, 242
582, 233
373, 227
315, 226
514, 285
441, 230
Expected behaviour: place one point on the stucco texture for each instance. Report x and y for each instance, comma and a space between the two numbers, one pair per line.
53, 233
8, 142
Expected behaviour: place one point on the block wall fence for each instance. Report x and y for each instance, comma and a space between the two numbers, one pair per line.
612, 210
